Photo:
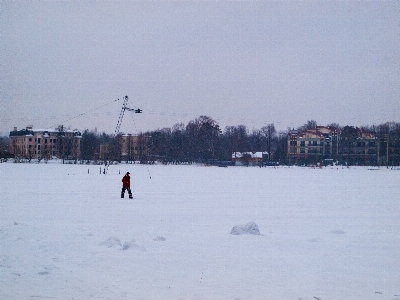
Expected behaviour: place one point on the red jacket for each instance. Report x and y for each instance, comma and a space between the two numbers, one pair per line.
126, 181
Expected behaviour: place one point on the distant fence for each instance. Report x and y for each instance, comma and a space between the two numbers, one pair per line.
221, 163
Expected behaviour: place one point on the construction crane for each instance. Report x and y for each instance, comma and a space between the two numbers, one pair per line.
119, 123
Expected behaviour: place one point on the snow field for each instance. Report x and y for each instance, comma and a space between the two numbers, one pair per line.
324, 233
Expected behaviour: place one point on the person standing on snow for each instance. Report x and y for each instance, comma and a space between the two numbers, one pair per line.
126, 185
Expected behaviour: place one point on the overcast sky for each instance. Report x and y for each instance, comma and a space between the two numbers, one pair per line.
249, 63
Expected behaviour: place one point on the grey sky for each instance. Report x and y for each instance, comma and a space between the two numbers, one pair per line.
249, 63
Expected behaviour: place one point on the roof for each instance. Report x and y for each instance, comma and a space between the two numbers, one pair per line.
30, 131
311, 132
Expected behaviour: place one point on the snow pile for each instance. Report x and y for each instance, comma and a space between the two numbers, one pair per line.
115, 242
249, 228
132, 245
112, 242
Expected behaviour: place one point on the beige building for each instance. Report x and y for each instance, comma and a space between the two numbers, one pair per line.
314, 144
45, 143
129, 147
354, 146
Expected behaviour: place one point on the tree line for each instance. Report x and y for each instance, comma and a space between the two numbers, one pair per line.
202, 140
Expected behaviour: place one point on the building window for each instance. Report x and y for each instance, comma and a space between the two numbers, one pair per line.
30, 139
38, 140
312, 150
45, 141
38, 147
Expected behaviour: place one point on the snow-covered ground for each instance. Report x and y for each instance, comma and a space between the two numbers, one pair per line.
331, 233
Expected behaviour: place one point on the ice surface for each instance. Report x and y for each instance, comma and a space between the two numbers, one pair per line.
330, 233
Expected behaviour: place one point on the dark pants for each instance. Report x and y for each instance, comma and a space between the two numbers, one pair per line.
123, 192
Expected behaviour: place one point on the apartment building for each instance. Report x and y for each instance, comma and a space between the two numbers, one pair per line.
351, 145
313, 144
45, 143
390, 150
359, 146
126, 147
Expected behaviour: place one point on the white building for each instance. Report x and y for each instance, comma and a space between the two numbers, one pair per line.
249, 158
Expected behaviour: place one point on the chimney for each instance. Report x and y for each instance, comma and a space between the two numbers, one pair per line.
15, 128
29, 127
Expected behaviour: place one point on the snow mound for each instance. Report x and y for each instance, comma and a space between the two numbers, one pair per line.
126, 245
112, 242
249, 228
115, 242
132, 245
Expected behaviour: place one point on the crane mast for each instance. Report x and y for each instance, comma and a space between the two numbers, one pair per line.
119, 123
121, 115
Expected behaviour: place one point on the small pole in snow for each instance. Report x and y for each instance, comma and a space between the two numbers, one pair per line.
88, 171
100, 170
119, 171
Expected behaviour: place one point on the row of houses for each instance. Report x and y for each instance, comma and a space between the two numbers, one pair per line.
352, 145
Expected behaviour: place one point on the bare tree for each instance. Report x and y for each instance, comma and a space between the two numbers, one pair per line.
270, 133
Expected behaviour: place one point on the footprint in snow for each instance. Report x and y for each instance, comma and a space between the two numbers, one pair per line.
44, 273
338, 231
